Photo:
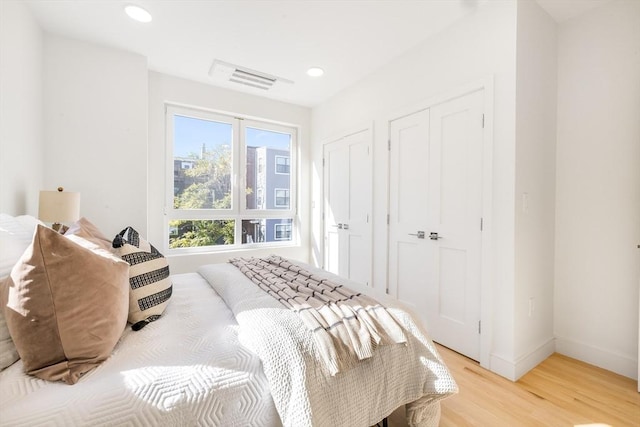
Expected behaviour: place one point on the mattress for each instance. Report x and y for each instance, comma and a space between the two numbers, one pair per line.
186, 369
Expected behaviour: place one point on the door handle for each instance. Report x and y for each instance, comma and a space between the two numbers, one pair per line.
338, 226
345, 226
434, 236
420, 234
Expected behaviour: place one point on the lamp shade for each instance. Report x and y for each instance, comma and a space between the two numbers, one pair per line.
59, 206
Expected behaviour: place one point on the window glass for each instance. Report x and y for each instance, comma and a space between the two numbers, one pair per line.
202, 160
266, 230
281, 198
282, 165
282, 231
195, 233
268, 156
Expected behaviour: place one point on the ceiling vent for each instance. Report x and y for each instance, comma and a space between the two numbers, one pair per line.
225, 71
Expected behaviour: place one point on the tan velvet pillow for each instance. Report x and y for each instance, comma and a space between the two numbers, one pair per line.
87, 230
65, 305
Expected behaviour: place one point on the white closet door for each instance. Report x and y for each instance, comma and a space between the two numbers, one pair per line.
347, 210
336, 193
410, 255
435, 218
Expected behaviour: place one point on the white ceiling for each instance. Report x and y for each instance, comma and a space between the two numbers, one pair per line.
348, 39
562, 10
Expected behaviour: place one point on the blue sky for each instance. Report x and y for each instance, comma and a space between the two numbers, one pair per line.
190, 133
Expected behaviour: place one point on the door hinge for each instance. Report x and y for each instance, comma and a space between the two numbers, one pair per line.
323, 216
389, 145
483, 121
388, 219
481, 223
323, 162
479, 326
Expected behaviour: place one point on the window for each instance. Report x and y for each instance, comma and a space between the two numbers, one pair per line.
282, 165
266, 230
282, 198
229, 181
282, 231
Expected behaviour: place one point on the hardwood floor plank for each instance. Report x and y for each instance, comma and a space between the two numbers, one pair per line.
561, 391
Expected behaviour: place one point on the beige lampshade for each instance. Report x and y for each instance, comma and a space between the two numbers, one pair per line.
59, 206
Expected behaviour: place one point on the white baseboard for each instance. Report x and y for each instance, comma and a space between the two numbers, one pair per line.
503, 367
513, 370
529, 361
602, 358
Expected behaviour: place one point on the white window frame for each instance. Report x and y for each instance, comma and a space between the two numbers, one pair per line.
275, 231
238, 210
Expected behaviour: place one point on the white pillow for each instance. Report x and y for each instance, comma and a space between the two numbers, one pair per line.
16, 234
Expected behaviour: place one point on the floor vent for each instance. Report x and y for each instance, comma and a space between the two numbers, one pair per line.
221, 70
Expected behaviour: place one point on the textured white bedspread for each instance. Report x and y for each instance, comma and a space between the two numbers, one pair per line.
186, 369
304, 393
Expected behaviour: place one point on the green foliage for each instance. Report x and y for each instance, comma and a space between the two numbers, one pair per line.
208, 186
210, 182
202, 233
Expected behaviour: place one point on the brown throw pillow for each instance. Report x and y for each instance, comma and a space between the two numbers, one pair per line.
65, 305
87, 230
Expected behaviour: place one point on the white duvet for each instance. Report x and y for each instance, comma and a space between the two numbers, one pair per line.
304, 392
186, 369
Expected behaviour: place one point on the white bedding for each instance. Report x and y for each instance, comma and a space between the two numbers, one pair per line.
206, 377
304, 392
201, 365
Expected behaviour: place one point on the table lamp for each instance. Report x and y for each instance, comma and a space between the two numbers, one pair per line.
58, 207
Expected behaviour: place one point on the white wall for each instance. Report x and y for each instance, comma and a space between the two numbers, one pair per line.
164, 88
598, 187
536, 90
21, 112
95, 130
481, 45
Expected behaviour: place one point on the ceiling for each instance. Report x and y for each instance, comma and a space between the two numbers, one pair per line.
348, 38
563, 10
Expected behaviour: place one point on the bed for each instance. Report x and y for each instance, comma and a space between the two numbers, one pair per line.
217, 357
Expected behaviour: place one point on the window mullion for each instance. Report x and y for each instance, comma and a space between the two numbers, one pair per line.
239, 167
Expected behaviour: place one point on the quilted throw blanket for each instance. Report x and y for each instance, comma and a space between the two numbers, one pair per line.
303, 391
347, 325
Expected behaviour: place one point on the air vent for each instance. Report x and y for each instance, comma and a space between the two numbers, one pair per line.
224, 71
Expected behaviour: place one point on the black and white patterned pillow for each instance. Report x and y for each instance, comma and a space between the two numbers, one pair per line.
149, 278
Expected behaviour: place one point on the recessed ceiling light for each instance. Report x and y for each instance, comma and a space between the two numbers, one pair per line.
315, 71
137, 13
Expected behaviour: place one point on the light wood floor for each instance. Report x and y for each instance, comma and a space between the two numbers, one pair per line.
559, 392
